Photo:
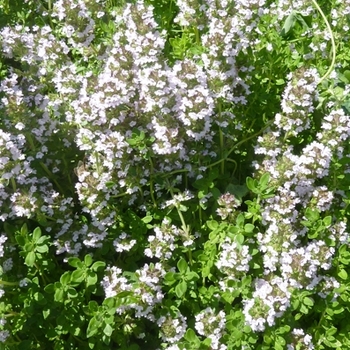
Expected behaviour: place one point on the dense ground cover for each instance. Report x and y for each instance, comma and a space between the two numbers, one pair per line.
174, 174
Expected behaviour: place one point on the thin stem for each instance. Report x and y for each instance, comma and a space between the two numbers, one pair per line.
11, 314
119, 195
175, 172
221, 143
42, 274
13, 183
185, 228
6, 283
234, 162
51, 177
190, 256
238, 144
222, 150
329, 71
183, 223
200, 215
97, 160
224, 158
151, 188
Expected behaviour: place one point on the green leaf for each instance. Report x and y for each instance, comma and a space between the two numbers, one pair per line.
266, 196
306, 223
329, 311
206, 271
42, 248
338, 309
248, 228
304, 309
312, 214
93, 327
240, 220
75, 262
169, 278
92, 343
238, 190
233, 230
24, 230
327, 221
21, 241
267, 339
344, 256
212, 225
39, 298
190, 335
201, 194
109, 302
72, 293
246, 281
28, 247
331, 331
132, 142
240, 239
91, 279
59, 295
181, 289
65, 278
124, 294
147, 219
42, 240
264, 180
36, 234
108, 330
343, 274
251, 183
109, 184
98, 265
46, 313
295, 304
207, 342
191, 275
88, 260
50, 288
228, 297
308, 301
288, 24
215, 192
182, 266
30, 259
182, 208
109, 319
347, 74
279, 347
77, 276
93, 306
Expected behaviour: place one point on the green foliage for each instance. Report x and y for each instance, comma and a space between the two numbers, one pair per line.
238, 221
181, 281
33, 246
